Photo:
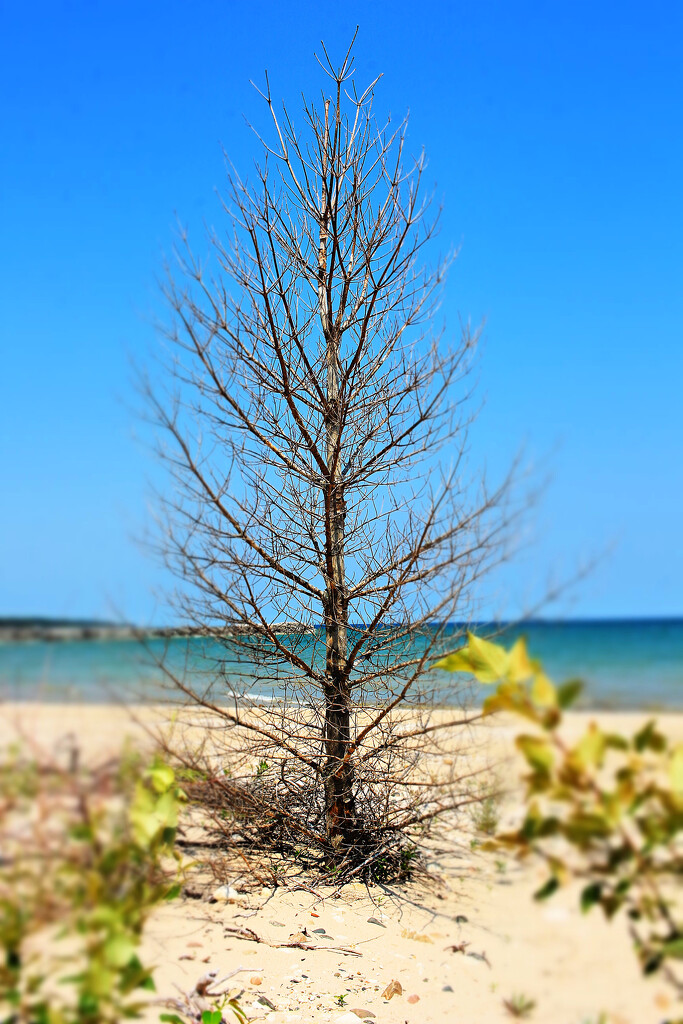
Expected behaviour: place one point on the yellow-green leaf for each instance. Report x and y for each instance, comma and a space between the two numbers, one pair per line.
458, 661
590, 749
119, 951
162, 777
537, 752
490, 660
676, 770
519, 664
543, 693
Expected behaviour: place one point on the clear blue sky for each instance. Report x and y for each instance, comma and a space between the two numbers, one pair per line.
554, 138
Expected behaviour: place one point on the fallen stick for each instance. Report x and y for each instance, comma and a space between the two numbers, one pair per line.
250, 936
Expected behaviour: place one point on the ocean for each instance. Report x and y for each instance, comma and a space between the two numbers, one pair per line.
625, 664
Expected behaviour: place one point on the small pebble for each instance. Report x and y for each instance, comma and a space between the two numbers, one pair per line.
256, 980
413, 999
225, 894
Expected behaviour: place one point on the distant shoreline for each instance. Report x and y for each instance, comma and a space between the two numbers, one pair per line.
17, 629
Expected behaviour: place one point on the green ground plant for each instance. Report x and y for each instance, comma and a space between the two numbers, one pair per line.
486, 816
86, 856
605, 808
519, 1006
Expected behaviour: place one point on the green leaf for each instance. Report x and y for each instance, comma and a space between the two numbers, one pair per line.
119, 951
212, 1017
173, 892
162, 777
568, 692
614, 741
649, 738
171, 1018
547, 890
591, 895
674, 948
537, 751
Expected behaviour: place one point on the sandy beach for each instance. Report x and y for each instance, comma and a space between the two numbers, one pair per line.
457, 947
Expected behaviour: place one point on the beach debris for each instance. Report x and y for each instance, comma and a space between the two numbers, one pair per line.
300, 940
265, 1001
480, 956
413, 999
225, 894
447, 988
461, 919
415, 936
363, 1014
394, 988
458, 947
201, 998
256, 979
373, 920
243, 933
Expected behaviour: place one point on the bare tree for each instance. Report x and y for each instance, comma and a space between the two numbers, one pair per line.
325, 546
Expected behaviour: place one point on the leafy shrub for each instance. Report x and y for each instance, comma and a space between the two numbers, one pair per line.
86, 855
607, 808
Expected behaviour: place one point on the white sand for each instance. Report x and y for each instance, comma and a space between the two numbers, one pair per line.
573, 966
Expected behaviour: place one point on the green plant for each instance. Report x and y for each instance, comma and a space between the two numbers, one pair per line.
86, 857
341, 1000
614, 803
486, 816
519, 1006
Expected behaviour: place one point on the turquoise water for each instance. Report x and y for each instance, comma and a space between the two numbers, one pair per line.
624, 663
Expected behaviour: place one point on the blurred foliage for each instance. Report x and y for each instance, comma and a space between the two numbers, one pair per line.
606, 808
86, 855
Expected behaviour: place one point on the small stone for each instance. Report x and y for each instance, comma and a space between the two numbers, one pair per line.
256, 980
413, 999
373, 920
225, 894
277, 924
347, 1018
461, 919
363, 1014
447, 988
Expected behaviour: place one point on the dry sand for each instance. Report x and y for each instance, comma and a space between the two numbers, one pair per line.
574, 967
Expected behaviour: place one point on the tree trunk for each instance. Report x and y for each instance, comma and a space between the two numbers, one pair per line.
340, 808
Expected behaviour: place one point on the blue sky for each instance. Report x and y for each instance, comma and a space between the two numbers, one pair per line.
553, 136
